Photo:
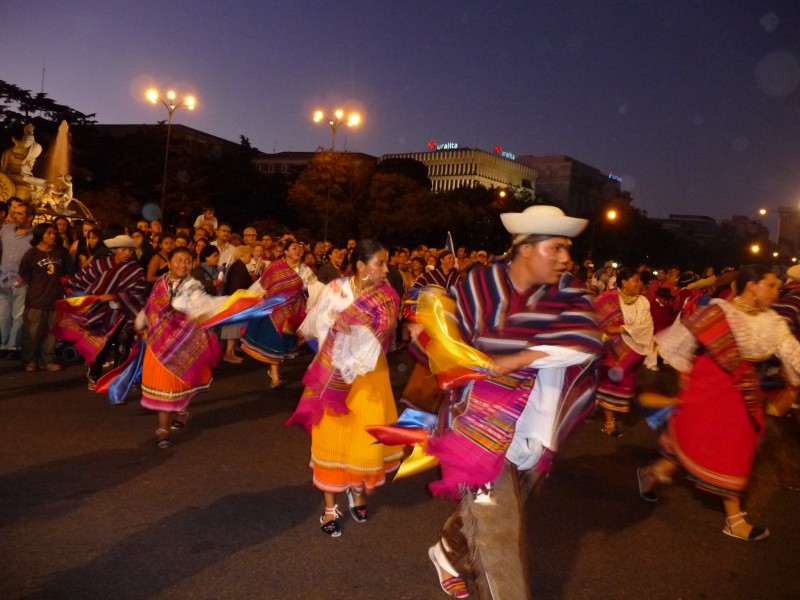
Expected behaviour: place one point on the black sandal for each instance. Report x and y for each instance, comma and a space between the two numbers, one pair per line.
359, 513
332, 527
181, 422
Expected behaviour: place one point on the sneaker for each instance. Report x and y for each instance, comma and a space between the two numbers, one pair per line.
92, 385
13, 355
53, 366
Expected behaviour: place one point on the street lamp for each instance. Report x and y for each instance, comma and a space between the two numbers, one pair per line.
171, 106
353, 120
611, 216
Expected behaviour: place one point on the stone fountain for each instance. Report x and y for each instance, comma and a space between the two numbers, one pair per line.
51, 195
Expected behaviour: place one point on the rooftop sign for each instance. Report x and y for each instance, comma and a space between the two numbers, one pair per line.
434, 145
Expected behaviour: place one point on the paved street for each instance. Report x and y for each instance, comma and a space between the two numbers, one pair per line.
90, 508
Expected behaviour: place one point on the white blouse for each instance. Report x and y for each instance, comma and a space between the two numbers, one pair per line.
757, 336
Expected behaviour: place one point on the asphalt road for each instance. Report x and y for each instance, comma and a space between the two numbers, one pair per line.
90, 508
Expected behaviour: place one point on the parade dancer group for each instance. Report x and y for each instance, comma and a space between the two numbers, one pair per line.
547, 344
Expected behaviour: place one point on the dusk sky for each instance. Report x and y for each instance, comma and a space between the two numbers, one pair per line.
695, 104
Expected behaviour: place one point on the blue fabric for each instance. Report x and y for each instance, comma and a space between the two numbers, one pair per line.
416, 419
129, 373
658, 418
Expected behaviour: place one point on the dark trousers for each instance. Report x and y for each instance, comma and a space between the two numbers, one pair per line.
38, 343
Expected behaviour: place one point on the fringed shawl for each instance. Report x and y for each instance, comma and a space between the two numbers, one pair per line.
281, 279
180, 345
375, 309
495, 319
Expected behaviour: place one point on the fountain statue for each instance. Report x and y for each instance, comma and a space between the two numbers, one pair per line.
52, 195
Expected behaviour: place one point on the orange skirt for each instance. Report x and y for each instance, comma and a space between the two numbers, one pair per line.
343, 454
163, 391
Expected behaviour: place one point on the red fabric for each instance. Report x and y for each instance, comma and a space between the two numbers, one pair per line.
711, 434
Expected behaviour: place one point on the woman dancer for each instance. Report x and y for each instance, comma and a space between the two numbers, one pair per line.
715, 427
626, 322
348, 387
272, 339
179, 354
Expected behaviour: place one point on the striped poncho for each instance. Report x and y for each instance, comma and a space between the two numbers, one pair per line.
437, 279
496, 319
89, 328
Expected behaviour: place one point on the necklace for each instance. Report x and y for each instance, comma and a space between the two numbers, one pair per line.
627, 299
354, 284
173, 290
750, 310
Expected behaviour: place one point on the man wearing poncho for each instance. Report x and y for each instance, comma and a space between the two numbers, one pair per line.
537, 324
113, 291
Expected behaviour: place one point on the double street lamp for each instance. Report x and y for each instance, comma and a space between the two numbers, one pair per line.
171, 105
353, 120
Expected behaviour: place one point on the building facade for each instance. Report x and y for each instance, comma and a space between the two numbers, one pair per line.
453, 168
789, 228
578, 188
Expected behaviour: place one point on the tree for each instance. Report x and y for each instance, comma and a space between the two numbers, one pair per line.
330, 192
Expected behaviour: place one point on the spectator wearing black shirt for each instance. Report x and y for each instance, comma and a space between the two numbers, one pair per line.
42, 268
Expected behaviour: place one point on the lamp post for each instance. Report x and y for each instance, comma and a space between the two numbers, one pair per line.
171, 106
611, 216
353, 120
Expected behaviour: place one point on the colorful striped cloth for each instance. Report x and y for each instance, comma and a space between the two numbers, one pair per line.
496, 319
713, 332
87, 322
615, 388
375, 308
437, 279
788, 306
185, 349
266, 339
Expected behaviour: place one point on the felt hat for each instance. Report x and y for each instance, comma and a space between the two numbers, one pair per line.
543, 220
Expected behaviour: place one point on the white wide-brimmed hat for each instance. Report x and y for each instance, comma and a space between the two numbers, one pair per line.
793, 273
121, 241
543, 220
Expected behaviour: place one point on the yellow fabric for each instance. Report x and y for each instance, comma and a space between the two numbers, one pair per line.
417, 462
343, 454
446, 350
